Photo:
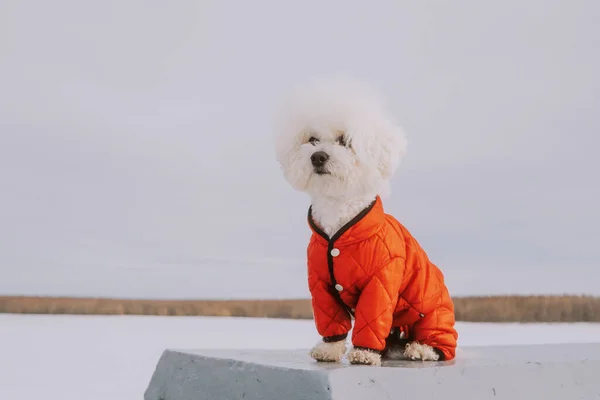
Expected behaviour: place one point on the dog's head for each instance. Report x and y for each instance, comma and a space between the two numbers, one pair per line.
334, 138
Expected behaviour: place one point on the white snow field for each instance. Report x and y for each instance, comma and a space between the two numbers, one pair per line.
113, 357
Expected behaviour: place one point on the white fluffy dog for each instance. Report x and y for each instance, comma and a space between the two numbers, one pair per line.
336, 142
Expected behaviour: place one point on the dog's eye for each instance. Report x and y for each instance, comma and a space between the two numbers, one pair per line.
342, 141
313, 140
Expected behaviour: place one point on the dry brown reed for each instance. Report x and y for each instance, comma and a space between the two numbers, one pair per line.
474, 309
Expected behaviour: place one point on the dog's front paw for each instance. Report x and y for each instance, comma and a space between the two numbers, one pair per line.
329, 351
423, 352
364, 356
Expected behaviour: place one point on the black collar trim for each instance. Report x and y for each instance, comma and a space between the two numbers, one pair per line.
344, 228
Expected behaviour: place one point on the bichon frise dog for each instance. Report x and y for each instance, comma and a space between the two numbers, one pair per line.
335, 141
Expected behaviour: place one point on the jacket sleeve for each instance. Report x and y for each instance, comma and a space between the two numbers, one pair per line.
331, 318
375, 309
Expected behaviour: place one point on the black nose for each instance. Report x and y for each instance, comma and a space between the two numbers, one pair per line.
319, 158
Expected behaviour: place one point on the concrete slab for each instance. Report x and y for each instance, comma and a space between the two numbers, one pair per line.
565, 371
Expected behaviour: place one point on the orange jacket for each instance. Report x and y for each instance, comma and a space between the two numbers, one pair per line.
383, 276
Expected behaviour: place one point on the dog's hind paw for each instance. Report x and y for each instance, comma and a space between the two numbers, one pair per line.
328, 351
423, 352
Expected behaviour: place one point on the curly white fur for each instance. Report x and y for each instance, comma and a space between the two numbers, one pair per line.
328, 352
362, 356
416, 351
357, 170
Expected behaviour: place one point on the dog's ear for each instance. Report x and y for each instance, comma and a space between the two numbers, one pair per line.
392, 147
380, 143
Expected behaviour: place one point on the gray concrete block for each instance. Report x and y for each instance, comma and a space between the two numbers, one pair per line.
562, 372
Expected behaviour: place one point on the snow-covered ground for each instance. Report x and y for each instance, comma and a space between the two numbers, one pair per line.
113, 357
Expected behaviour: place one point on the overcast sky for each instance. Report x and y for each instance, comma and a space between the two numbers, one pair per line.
136, 156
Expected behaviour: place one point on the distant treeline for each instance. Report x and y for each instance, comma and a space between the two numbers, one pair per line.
474, 309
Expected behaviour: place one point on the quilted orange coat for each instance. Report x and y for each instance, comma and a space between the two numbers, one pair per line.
375, 270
